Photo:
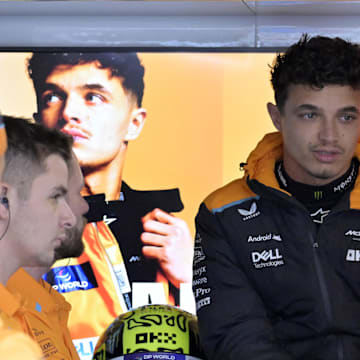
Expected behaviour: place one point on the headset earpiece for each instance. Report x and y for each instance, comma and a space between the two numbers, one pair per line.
5, 201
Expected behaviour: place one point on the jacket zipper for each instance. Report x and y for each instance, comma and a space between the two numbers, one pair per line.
321, 278
324, 291
318, 267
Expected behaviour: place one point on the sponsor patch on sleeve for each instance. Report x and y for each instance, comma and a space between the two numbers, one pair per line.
72, 278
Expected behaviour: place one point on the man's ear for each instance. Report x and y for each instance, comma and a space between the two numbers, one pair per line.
36, 117
136, 124
275, 115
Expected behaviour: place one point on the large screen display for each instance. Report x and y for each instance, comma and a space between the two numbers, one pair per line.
154, 133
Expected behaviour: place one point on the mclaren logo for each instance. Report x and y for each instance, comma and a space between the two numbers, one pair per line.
134, 258
355, 234
251, 213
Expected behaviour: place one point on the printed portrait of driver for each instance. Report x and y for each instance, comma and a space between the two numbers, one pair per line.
97, 99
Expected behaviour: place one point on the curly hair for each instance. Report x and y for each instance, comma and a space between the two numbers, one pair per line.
316, 62
123, 65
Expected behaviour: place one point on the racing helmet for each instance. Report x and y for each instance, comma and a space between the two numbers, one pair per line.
161, 332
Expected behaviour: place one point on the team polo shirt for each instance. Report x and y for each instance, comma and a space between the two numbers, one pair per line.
39, 311
10, 341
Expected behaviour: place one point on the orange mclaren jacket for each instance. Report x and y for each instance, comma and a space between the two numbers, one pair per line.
98, 271
38, 310
101, 300
100, 283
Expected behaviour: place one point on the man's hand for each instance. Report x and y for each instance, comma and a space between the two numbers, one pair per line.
167, 239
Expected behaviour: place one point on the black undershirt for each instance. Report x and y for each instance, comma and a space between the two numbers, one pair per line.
319, 200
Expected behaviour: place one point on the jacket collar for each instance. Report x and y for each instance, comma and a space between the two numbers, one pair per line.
261, 164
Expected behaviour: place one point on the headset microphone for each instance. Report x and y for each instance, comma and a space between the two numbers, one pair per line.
5, 201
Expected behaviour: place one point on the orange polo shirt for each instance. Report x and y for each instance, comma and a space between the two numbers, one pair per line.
38, 310
16, 345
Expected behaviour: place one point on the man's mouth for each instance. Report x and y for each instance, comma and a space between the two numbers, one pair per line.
76, 133
327, 155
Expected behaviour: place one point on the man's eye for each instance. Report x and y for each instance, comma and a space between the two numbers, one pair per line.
308, 116
51, 98
95, 98
347, 117
56, 196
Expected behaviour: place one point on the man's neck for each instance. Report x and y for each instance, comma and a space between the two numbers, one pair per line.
5, 275
36, 271
7, 268
11, 262
106, 179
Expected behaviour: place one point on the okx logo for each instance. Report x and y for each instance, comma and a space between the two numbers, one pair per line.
251, 213
267, 258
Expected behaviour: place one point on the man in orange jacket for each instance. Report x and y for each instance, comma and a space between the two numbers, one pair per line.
38, 225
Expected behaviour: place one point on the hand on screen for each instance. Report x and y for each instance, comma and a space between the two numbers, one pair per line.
167, 239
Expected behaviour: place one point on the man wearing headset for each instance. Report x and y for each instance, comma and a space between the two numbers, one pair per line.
10, 339
38, 224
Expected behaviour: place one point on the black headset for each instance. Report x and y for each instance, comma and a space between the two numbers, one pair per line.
5, 201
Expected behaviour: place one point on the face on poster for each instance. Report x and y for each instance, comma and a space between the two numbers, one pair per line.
201, 114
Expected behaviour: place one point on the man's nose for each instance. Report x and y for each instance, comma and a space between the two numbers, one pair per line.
72, 109
68, 217
84, 206
328, 130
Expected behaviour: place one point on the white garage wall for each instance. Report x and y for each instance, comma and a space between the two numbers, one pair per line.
257, 25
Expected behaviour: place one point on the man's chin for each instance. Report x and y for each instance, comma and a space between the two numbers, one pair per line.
73, 245
326, 174
64, 252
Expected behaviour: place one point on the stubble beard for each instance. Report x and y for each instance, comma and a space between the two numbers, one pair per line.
73, 245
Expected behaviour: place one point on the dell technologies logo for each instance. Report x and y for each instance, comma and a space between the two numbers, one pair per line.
353, 255
267, 258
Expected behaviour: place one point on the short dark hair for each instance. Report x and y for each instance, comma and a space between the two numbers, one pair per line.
317, 62
124, 65
29, 145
